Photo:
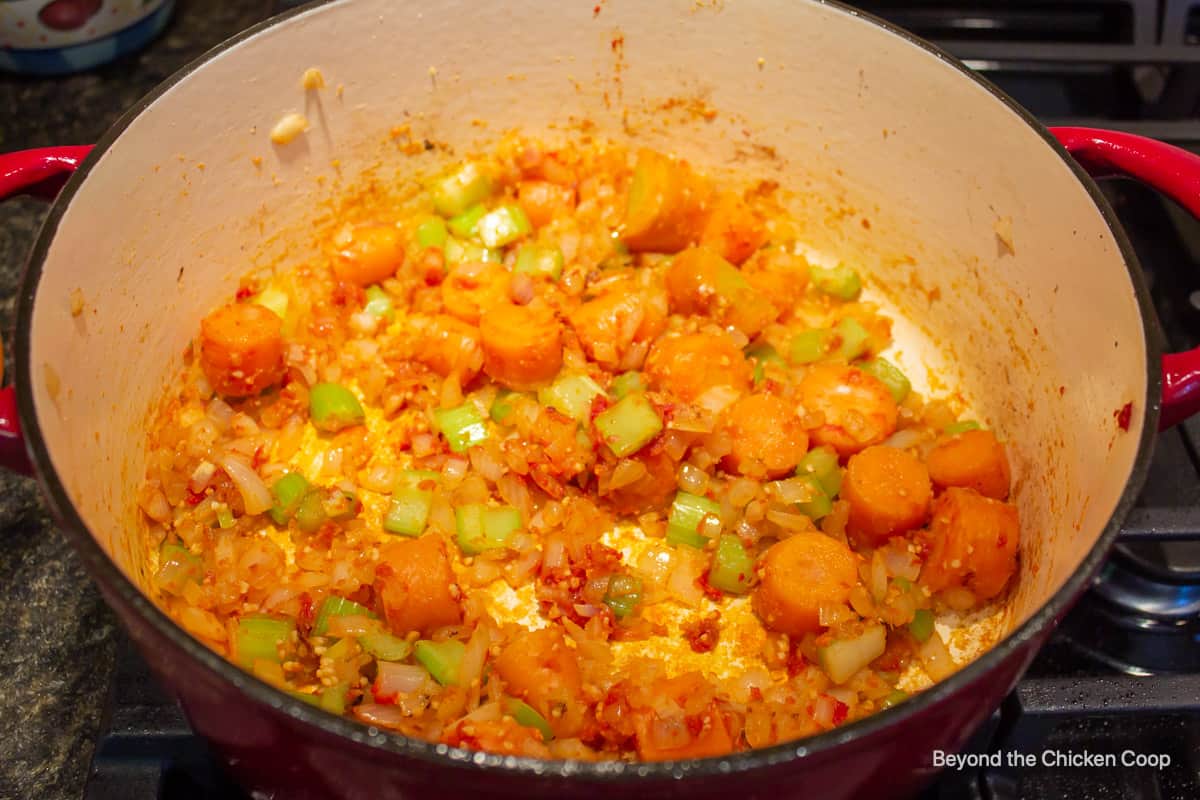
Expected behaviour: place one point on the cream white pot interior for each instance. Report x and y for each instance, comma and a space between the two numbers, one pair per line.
856, 122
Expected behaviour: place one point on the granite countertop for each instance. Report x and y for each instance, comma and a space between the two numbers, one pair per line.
58, 638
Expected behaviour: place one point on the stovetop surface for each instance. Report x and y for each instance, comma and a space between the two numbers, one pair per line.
1119, 64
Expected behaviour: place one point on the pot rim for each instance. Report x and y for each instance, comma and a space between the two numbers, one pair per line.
109, 576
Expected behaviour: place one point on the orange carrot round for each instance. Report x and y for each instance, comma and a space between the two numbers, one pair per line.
522, 345
374, 253
971, 542
799, 575
767, 437
542, 669
415, 586
241, 349
888, 491
691, 364
470, 289
975, 460
857, 409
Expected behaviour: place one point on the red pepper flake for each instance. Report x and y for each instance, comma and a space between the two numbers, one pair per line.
695, 725
1062, 390
243, 292
709, 590
260, 457
306, 610
840, 712
1123, 416
194, 498
756, 694
600, 404
702, 635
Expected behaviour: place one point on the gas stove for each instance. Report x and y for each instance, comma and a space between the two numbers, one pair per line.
1111, 706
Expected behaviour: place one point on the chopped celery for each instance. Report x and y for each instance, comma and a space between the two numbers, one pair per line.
431, 233
502, 406
481, 528
894, 697
903, 584
333, 698
258, 637
853, 338
571, 394
822, 464
536, 259
840, 281
460, 252
762, 354
288, 491
962, 426
408, 513
177, 566
819, 503
379, 304
627, 383
527, 715
890, 376
465, 224
335, 606
384, 646
503, 225
225, 518
341, 505
457, 191
688, 514
732, 567
921, 626
842, 658
462, 426
629, 425
810, 346
442, 659
623, 595
274, 299
310, 514
333, 407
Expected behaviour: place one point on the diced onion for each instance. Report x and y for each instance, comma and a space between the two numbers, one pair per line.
901, 563
471, 669
626, 472
381, 715
220, 412
716, 399
394, 679
902, 440
255, 494
936, 658
693, 480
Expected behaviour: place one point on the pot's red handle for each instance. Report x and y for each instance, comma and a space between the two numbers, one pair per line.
40, 172
1176, 173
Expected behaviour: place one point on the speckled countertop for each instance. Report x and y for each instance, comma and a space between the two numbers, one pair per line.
57, 636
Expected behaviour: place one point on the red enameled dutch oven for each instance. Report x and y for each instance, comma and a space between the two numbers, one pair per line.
980, 229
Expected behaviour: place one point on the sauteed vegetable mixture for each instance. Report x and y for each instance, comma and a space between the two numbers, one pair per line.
572, 455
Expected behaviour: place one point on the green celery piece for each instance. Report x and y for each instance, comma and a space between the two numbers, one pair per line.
536, 259
333, 698
225, 518
379, 304
464, 225
462, 426
408, 513
310, 514
333, 407
890, 376
819, 503
571, 394
482, 528
503, 225
809, 346
259, 636
274, 299
732, 567
335, 606
629, 424
191, 567
502, 406
822, 464
894, 697
288, 491
385, 646
623, 595
903, 584
962, 426
460, 252
687, 513
431, 233
627, 383
763, 354
840, 281
921, 626
854, 340
457, 191
341, 505
442, 659
527, 715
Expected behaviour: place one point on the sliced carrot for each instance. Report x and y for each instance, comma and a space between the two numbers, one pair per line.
543, 201
691, 364
610, 325
799, 575
543, 670
888, 491
702, 282
653, 490
779, 276
732, 229
415, 586
857, 409
447, 345
241, 349
767, 437
374, 253
971, 542
666, 738
472, 288
668, 203
522, 345
975, 460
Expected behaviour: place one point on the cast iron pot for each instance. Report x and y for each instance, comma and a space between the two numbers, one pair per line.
1006, 267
